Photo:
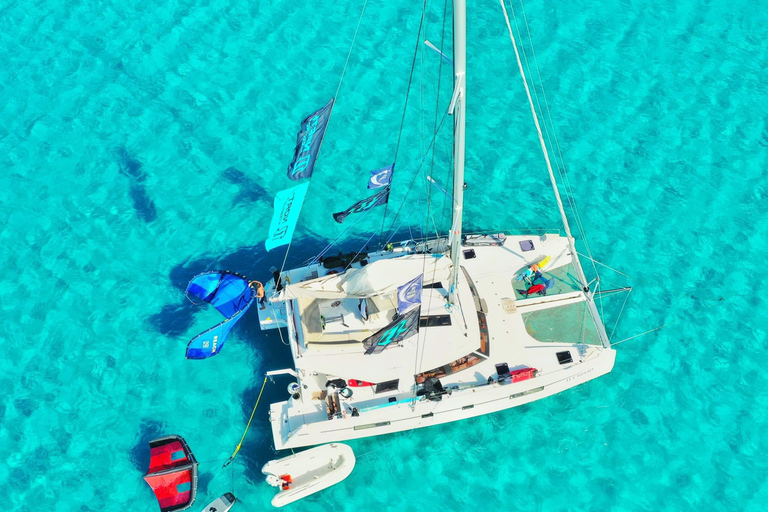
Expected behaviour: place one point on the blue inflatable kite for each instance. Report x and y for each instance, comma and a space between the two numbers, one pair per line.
231, 295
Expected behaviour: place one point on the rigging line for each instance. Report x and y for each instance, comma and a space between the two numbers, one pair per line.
240, 444
336, 94
416, 174
405, 108
638, 335
626, 298
604, 265
557, 141
285, 258
358, 252
348, 226
560, 166
418, 361
577, 265
437, 108
349, 53
407, 217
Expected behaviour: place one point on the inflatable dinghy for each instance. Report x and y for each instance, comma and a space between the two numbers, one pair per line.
304, 473
222, 504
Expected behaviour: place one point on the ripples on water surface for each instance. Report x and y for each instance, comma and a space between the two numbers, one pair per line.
142, 142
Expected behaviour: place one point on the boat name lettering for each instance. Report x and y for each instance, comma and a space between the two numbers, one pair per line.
569, 379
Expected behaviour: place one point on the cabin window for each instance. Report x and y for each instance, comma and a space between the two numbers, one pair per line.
435, 321
390, 385
456, 366
483, 326
436, 284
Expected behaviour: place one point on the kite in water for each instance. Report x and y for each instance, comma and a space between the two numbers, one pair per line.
231, 295
172, 473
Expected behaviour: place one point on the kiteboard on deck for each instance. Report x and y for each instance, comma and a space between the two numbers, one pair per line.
299, 475
222, 504
531, 269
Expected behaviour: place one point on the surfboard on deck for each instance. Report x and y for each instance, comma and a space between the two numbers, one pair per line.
532, 268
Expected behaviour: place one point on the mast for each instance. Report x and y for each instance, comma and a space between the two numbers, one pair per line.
458, 108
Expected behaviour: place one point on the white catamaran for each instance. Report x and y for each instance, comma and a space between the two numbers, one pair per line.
429, 331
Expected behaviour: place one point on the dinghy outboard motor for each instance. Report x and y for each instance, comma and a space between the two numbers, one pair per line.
432, 390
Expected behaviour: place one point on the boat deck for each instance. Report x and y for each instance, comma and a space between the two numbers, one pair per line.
553, 333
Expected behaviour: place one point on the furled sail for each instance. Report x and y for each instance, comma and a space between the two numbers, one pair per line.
381, 277
308, 143
172, 473
231, 295
385, 276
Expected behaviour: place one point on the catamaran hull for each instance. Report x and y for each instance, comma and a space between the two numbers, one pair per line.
459, 405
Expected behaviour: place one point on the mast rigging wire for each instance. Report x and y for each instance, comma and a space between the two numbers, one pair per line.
336, 94
562, 171
405, 108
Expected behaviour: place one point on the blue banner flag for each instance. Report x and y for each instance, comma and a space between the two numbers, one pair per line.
362, 206
403, 326
409, 295
381, 177
288, 204
231, 295
308, 143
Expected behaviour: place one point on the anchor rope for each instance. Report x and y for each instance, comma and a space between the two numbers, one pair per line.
240, 444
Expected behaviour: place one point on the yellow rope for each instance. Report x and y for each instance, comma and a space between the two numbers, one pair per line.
240, 444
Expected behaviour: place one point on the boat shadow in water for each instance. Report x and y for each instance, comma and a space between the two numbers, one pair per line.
174, 319
148, 430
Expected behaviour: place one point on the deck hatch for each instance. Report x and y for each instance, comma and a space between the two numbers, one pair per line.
435, 321
390, 385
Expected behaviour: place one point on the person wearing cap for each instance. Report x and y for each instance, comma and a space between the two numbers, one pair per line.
260, 296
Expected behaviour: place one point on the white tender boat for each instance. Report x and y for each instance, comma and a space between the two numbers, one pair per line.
299, 475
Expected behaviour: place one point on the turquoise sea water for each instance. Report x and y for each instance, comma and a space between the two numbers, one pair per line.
142, 142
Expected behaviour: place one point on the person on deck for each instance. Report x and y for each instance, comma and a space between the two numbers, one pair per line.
260, 296
276, 277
